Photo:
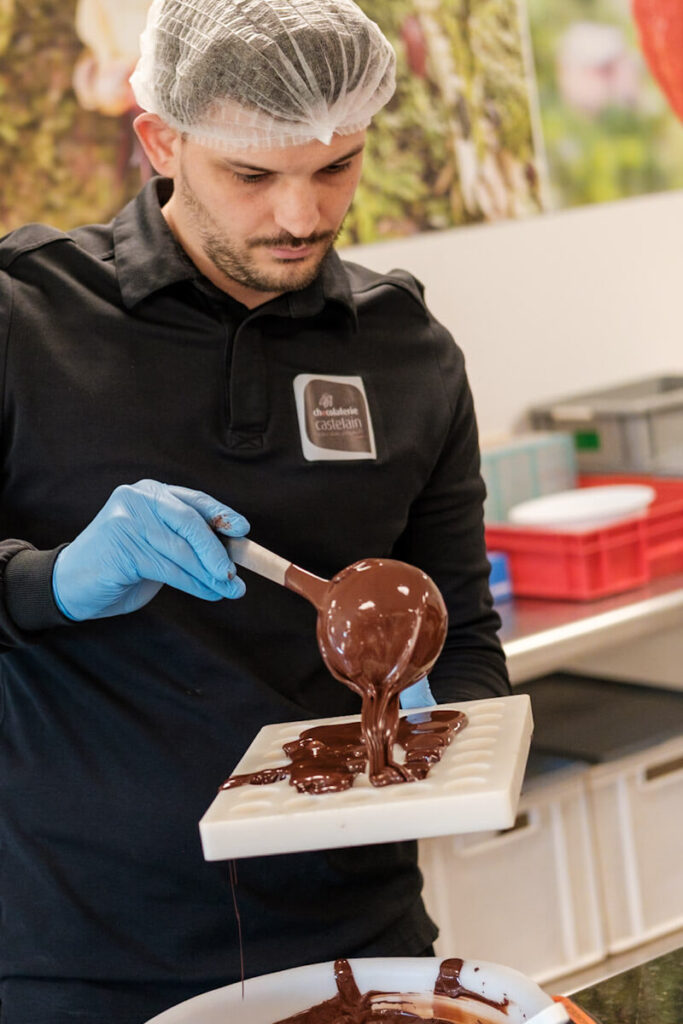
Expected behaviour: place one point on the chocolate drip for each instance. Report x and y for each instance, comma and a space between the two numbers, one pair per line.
380, 628
327, 758
347, 988
448, 984
350, 1007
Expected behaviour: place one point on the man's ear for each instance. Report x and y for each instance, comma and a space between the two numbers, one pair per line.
159, 141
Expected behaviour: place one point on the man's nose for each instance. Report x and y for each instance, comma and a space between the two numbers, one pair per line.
297, 210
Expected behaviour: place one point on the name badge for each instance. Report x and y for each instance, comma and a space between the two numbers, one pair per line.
334, 418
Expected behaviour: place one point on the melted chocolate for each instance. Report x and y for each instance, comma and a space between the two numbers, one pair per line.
350, 1007
327, 758
381, 626
448, 984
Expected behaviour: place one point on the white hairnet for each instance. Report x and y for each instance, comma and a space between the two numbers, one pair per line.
263, 73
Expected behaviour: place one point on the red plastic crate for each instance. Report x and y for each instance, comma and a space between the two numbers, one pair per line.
662, 523
582, 566
573, 566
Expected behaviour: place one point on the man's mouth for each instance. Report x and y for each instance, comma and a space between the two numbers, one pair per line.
292, 249
299, 252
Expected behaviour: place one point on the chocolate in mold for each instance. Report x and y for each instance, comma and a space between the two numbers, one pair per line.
327, 758
350, 1007
381, 626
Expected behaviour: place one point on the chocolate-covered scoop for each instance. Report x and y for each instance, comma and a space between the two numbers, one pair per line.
381, 626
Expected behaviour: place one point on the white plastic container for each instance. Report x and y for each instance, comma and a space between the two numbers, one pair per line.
273, 997
527, 895
637, 815
584, 508
523, 467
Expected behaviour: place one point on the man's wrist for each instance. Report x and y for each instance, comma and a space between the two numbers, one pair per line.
29, 597
55, 588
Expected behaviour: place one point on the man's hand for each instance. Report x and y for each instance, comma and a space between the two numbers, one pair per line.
146, 535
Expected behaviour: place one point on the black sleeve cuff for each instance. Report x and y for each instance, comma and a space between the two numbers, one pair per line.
29, 598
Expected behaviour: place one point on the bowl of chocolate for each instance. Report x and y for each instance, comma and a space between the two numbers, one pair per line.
397, 990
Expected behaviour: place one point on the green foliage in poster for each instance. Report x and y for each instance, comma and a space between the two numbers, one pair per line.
624, 148
453, 147
58, 163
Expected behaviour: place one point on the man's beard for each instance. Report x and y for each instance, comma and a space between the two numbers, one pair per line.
236, 262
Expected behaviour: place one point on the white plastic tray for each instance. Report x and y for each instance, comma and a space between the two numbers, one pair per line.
475, 787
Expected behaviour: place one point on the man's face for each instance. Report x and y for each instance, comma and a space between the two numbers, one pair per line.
259, 222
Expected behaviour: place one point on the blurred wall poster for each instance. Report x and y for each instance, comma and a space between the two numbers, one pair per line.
504, 109
607, 130
68, 153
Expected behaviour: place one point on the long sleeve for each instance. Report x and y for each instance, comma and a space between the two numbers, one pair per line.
27, 605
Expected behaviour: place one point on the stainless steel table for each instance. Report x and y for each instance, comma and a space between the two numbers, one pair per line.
540, 636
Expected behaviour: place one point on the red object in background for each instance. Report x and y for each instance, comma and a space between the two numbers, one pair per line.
597, 563
415, 44
572, 566
660, 24
663, 522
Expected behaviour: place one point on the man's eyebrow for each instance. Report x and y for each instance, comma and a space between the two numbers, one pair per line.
269, 170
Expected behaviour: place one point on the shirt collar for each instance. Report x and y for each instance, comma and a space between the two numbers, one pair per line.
331, 285
148, 258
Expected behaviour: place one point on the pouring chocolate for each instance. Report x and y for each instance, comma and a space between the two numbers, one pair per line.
381, 626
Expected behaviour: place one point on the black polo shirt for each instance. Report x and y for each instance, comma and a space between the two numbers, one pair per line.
119, 361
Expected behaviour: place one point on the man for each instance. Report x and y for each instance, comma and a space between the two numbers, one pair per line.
208, 351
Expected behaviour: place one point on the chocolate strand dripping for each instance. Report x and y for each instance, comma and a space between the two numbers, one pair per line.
232, 875
381, 629
379, 718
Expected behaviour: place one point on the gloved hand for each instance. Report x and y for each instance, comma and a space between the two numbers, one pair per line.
419, 695
147, 534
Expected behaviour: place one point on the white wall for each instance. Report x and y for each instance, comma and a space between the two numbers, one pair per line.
555, 304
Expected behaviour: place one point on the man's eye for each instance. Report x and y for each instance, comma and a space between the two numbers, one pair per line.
336, 168
249, 179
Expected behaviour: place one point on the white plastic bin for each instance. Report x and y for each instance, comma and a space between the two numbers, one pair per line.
523, 467
527, 896
637, 815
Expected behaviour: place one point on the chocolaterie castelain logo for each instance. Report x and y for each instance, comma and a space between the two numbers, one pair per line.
334, 417
327, 416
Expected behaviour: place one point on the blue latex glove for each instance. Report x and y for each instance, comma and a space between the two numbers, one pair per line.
419, 695
146, 535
